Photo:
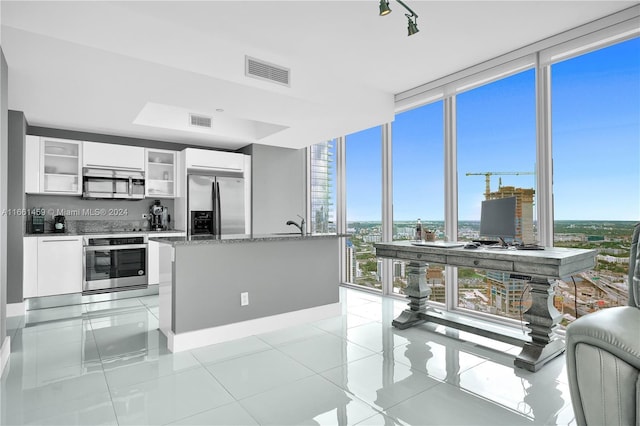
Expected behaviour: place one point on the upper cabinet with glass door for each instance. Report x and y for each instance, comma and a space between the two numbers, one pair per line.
53, 166
160, 173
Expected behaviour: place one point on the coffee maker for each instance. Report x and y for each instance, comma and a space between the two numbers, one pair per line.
59, 224
158, 216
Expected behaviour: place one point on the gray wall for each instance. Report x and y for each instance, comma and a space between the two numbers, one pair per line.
278, 187
3, 193
15, 223
280, 276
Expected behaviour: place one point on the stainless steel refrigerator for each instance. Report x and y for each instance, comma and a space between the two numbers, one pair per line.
216, 205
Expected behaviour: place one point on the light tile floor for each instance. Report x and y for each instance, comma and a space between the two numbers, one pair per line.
107, 363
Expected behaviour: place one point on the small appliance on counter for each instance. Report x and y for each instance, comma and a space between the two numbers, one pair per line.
158, 217
37, 222
59, 224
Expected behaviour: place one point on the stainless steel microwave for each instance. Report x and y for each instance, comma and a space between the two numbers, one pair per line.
112, 183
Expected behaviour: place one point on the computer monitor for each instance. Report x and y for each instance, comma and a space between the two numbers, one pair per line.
498, 218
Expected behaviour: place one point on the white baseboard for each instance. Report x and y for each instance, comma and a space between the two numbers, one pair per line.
5, 351
209, 336
15, 309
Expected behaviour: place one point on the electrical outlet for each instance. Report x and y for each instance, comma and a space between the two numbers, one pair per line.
244, 299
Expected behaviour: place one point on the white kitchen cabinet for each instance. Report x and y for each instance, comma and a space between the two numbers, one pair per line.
106, 155
52, 166
32, 164
29, 267
160, 173
155, 271
205, 159
59, 265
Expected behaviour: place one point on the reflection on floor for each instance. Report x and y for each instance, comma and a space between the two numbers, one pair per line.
107, 363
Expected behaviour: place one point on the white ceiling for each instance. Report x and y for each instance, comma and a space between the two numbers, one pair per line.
120, 67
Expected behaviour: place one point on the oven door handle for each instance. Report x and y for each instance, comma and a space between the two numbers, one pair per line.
116, 247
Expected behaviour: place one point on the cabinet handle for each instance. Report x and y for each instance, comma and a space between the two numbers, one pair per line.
215, 167
112, 167
59, 241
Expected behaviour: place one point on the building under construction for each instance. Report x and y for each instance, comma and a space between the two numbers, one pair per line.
506, 294
524, 210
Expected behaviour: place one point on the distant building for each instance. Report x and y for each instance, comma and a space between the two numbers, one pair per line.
372, 238
351, 264
505, 294
322, 193
435, 280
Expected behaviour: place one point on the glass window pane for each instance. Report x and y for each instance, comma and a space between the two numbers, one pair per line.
418, 186
363, 152
596, 181
496, 132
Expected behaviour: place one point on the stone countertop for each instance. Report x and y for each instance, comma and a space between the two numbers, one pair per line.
238, 238
147, 232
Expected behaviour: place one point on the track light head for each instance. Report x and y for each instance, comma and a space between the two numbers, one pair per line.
384, 8
411, 16
413, 26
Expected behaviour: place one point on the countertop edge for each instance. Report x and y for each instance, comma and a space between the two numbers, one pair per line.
184, 241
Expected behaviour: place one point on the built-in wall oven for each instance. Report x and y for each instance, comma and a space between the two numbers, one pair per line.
114, 263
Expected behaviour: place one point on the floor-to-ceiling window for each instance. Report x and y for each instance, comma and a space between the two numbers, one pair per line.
500, 120
363, 152
596, 170
496, 136
418, 186
322, 188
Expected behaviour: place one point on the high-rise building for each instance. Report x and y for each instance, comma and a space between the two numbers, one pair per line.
322, 190
506, 294
351, 264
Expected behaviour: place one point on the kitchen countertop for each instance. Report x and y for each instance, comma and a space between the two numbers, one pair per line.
68, 234
238, 238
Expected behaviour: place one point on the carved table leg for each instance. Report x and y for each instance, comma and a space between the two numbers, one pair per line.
418, 293
542, 319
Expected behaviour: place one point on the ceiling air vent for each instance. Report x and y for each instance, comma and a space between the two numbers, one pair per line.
265, 71
200, 120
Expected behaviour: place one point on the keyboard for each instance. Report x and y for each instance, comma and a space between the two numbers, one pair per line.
529, 247
487, 242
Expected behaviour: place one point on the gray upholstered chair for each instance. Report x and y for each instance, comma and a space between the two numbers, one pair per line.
603, 358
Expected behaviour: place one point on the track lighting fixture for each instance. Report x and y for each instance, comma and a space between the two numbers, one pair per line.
384, 8
411, 16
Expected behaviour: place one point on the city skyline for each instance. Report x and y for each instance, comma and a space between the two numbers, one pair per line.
596, 144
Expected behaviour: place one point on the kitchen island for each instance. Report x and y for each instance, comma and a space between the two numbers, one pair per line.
219, 288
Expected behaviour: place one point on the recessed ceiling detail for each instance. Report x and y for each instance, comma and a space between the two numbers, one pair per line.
231, 128
257, 68
200, 120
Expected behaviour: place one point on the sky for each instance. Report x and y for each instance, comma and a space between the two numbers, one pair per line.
595, 137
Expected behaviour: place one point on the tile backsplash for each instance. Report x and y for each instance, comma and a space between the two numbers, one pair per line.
95, 215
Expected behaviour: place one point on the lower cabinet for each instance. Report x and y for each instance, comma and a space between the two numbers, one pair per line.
53, 265
155, 271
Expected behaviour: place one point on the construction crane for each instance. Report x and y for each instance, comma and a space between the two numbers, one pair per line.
487, 176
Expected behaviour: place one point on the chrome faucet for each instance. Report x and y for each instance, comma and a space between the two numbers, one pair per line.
301, 227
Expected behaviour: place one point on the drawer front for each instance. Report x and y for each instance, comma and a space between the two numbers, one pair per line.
492, 264
421, 256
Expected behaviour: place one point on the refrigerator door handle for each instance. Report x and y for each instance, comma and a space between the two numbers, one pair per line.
214, 197
219, 210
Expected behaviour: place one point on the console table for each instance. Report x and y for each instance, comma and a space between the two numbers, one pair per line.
543, 267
